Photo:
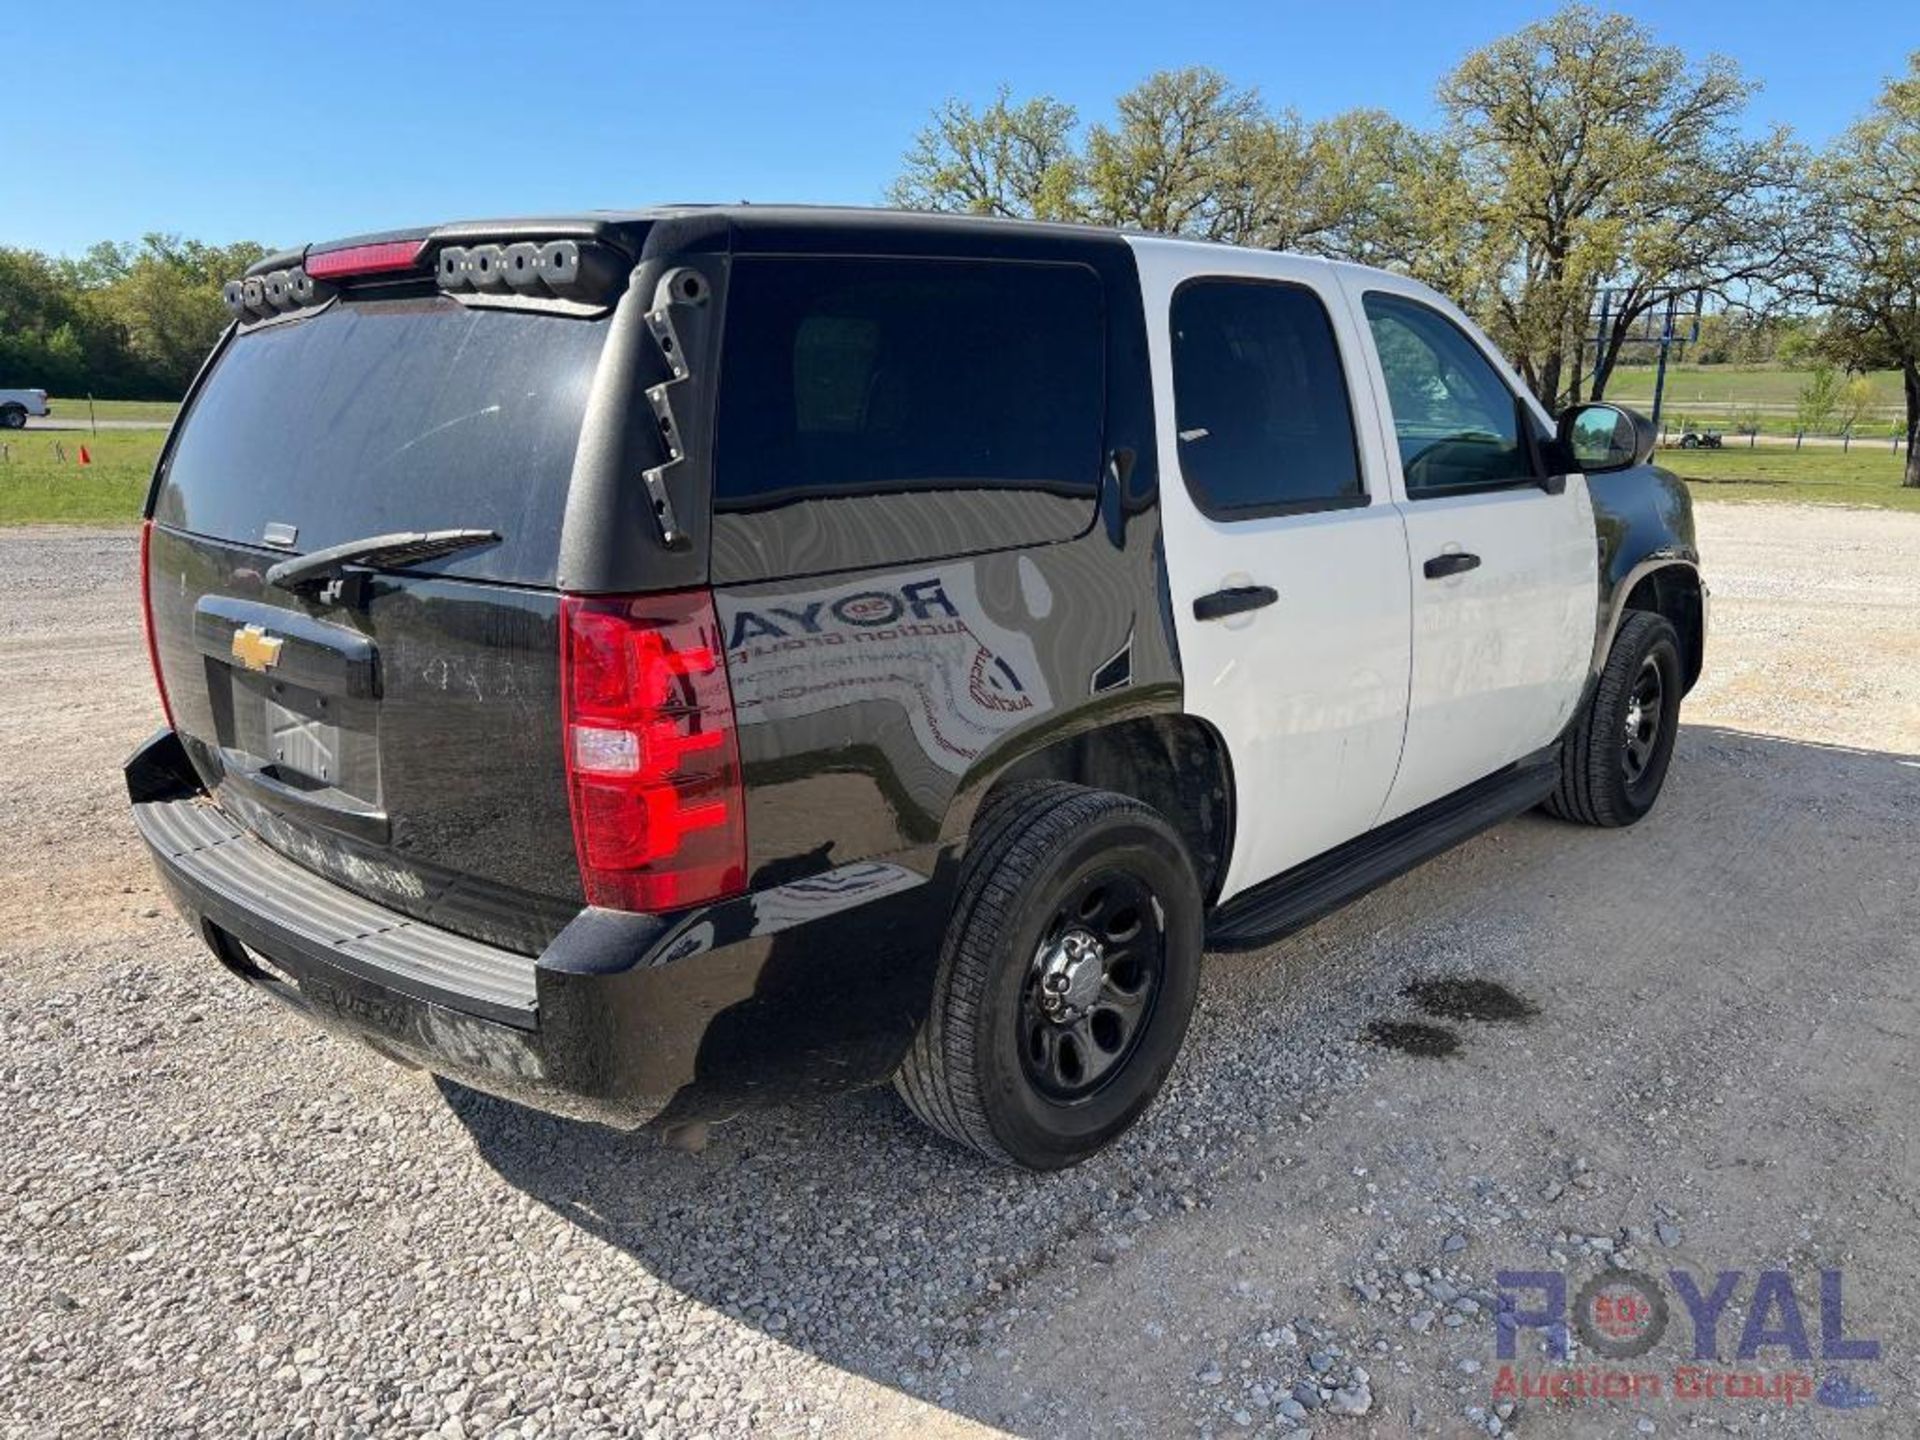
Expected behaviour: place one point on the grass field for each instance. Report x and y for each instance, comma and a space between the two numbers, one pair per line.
1826, 476
1736, 385
37, 485
72, 407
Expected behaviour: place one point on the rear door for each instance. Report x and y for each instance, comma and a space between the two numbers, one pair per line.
402, 739
1502, 561
1286, 556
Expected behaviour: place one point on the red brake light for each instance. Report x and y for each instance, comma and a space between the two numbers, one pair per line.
383, 255
653, 763
146, 617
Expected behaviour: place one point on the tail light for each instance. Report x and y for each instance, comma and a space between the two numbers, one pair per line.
653, 763
146, 617
379, 258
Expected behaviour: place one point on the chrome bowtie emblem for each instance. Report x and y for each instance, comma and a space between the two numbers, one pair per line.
254, 648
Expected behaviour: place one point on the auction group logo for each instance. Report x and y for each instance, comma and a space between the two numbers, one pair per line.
1621, 1315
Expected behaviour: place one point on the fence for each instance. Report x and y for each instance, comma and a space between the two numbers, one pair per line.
1689, 434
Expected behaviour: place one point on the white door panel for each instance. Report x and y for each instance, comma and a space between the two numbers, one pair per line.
1308, 692
1500, 652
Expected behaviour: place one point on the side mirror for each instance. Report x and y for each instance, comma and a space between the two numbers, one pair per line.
1598, 438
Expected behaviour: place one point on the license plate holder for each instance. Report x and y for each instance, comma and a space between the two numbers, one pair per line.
305, 745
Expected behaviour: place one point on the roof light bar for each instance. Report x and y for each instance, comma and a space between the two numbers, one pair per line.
261, 297
379, 258
565, 269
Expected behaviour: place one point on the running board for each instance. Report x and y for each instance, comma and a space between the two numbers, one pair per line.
1278, 907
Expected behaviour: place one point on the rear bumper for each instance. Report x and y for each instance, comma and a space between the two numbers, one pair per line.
804, 988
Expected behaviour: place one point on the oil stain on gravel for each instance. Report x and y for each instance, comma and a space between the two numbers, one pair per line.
1452, 997
1456, 997
1429, 1042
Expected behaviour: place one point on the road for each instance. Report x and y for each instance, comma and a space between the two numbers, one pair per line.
217, 1219
80, 422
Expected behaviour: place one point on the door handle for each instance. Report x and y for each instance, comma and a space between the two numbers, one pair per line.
1233, 601
1454, 562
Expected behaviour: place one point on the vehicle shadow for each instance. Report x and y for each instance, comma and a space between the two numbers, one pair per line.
844, 1229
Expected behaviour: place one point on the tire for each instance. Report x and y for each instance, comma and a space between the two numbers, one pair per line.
12, 417
993, 1067
1608, 776
1689, 442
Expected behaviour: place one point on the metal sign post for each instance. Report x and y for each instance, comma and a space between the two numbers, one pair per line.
1660, 367
1658, 329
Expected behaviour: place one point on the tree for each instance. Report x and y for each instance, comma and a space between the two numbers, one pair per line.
1855, 402
1818, 399
1183, 151
1862, 255
1597, 156
1186, 154
167, 299
1012, 160
51, 334
1719, 223
1348, 187
130, 320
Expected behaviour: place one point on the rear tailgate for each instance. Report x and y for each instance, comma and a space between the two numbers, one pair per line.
402, 739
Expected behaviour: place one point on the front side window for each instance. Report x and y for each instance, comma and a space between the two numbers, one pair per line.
1260, 400
1457, 423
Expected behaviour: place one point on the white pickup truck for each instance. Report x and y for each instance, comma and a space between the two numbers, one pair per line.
17, 405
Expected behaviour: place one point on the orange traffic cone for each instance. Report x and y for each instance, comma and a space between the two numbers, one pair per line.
85, 458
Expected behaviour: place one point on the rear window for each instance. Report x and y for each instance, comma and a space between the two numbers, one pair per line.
390, 415
873, 376
1260, 400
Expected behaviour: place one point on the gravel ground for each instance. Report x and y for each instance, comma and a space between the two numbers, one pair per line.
216, 1219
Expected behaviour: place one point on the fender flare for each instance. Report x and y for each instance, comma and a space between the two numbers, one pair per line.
1672, 558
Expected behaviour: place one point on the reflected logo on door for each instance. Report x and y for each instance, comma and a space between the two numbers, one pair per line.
254, 648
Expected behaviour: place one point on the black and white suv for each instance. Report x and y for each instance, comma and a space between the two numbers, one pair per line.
654, 664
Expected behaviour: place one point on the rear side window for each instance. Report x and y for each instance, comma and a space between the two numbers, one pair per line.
379, 416
1260, 400
894, 378
1457, 423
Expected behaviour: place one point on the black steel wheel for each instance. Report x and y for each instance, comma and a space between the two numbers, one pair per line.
13, 418
1614, 757
1643, 731
1091, 988
1066, 979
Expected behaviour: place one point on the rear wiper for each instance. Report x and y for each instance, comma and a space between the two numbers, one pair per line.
400, 548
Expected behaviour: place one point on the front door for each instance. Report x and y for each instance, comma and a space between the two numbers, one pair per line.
1286, 557
1502, 560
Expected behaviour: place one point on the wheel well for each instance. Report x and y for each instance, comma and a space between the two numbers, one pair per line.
1674, 592
1174, 763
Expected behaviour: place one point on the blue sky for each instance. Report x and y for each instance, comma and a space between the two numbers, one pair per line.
301, 121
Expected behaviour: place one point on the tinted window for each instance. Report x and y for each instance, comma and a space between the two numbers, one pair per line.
873, 376
392, 415
1261, 401
1457, 422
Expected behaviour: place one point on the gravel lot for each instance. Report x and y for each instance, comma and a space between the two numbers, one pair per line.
216, 1219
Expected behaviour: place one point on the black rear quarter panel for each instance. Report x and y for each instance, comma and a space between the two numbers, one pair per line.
878, 701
